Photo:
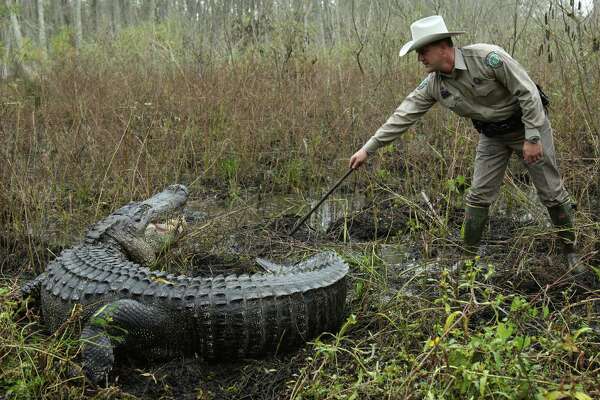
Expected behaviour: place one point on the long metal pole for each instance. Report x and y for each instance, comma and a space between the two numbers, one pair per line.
297, 226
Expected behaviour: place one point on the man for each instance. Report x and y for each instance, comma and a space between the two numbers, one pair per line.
484, 83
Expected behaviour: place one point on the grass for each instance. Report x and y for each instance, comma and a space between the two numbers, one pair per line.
523, 351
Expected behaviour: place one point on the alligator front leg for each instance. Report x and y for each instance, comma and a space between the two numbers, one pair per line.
122, 323
32, 288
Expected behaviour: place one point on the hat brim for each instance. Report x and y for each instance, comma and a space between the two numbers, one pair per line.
415, 44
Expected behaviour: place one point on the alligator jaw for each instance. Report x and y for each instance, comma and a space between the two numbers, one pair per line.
156, 207
126, 226
160, 235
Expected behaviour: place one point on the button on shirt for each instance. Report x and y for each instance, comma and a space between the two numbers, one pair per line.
486, 84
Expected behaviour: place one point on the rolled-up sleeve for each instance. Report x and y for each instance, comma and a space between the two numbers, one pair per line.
417, 103
514, 77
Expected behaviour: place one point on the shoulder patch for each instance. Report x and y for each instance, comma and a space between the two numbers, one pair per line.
493, 60
423, 84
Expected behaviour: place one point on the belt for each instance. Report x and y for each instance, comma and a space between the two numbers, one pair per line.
493, 129
512, 124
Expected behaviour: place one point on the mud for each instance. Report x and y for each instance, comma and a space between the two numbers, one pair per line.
373, 222
189, 378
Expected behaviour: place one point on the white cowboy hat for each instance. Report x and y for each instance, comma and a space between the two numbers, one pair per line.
425, 31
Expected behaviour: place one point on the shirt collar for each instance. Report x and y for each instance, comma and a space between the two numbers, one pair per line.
459, 63
459, 60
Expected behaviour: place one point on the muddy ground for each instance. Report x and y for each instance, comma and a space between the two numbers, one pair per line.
525, 263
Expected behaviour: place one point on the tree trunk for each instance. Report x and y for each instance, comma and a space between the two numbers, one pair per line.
325, 23
19, 42
164, 10
59, 17
5, 72
126, 12
27, 13
214, 24
42, 28
116, 16
77, 24
14, 24
95, 15
151, 13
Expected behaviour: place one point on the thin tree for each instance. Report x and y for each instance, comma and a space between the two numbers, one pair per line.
116, 16
5, 72
77, 24
19, 41
150, 6
42, 28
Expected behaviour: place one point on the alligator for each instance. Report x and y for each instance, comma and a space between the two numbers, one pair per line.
106, 281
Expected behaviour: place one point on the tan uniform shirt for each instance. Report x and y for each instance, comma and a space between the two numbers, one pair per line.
486, 84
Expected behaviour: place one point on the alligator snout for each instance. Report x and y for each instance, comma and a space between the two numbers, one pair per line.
178, 188
170, 199
126, 227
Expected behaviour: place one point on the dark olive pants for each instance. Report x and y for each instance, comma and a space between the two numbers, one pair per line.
492, 159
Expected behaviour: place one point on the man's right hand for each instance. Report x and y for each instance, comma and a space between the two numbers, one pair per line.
358, 158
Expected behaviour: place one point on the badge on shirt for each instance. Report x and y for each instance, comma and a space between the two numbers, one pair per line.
423, 84
493, 60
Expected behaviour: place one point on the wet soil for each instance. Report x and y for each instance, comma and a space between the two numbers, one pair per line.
189, 378
375, 221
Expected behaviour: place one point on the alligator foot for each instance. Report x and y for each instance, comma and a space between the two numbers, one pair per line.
125, 323
98, 357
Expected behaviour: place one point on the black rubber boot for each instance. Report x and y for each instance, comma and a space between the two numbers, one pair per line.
472, 229
562, 218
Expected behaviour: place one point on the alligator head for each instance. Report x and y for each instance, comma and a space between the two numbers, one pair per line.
126, 227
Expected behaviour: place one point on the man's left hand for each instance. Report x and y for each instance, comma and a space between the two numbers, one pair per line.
532, 152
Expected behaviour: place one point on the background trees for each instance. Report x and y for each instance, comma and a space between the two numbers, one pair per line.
367, 31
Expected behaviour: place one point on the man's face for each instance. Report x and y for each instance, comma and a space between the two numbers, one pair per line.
431, 56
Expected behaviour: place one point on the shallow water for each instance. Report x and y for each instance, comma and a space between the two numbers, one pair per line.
255, 209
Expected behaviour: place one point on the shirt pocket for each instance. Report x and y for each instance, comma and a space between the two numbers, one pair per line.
455, 103
484, 87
